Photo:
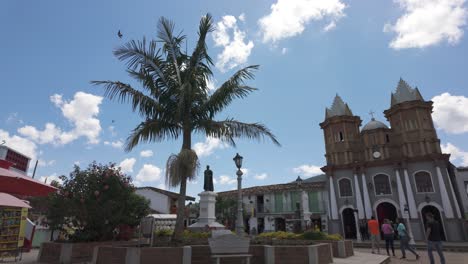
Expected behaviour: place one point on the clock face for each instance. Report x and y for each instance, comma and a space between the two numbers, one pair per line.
376, 154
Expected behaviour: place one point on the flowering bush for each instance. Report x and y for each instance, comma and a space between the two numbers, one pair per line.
308, 235
96, 203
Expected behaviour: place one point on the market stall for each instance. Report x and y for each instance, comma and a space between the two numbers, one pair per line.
13, 215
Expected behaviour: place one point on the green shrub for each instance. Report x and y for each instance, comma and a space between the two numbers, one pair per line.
163, 232
313, 235
334, 237
189, 234
280, 235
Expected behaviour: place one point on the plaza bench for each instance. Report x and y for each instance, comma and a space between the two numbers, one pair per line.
229, 246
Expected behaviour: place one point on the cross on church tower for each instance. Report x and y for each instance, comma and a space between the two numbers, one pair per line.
371, 113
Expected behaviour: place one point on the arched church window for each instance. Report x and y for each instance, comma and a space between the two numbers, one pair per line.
423, 182
345, 187
382, 185
341, 136
387, 138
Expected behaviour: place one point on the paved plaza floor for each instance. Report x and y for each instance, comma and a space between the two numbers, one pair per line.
359, 258
450, 257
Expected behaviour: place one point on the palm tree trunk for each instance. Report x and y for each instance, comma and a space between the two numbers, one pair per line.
179, 227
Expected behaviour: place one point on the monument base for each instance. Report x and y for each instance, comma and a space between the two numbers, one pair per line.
207, 219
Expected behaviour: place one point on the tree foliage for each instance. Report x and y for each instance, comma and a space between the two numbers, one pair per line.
93, 203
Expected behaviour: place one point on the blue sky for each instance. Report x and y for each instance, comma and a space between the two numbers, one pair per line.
308, 51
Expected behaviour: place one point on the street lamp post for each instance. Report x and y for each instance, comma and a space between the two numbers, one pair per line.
408, 224
240, 218
356, 219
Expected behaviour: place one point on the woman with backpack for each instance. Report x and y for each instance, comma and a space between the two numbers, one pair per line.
389, 235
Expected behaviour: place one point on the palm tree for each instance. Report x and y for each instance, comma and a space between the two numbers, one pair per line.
174, 100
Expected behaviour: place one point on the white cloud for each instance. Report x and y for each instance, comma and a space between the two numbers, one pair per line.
457, 155
308, 170
137, 183
289, 18
81, 112
20, 144
126, 166
112, 131
14, 118
207, 148
149, 173
115, 144
241, 17
146, 153
245, 171
44, 163
284, 50
162, 186
49, 179
77, 163
211, 85
236, 51
261, 176
428, 22
330, 26
450, 113
225, 179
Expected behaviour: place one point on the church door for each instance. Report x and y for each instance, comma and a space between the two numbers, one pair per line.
388, 211
437, 217
349, 223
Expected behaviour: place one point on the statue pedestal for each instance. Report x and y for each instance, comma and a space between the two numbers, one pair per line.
207, 218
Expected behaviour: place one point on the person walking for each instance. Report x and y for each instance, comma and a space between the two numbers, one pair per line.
404, 240
389, 235
373, 226
434, 238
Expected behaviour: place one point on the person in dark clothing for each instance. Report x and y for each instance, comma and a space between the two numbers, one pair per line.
363, 229
434, 238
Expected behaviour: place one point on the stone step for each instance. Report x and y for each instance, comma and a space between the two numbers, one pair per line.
448, 246
363, 258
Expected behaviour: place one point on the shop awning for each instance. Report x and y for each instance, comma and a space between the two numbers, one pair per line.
16, 183
11, 201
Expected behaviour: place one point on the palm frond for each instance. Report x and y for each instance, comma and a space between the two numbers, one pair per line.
200, 54
152, 131
181, 166
122, 92
230, 90
171, 43
138, 54
231, 129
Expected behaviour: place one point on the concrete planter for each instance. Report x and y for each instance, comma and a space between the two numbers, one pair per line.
319, 253
65, 253
340, 248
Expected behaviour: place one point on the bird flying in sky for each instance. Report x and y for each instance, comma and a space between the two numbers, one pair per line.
119, 34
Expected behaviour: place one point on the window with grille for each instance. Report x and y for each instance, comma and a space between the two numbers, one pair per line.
423, 182
345, 188
382, 185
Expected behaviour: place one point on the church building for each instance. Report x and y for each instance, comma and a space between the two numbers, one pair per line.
389, 171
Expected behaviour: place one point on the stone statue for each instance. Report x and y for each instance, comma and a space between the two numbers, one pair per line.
208, 182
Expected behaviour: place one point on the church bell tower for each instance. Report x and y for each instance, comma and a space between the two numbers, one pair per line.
411, 122
341, 132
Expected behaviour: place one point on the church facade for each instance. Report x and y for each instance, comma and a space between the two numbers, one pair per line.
389, 171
